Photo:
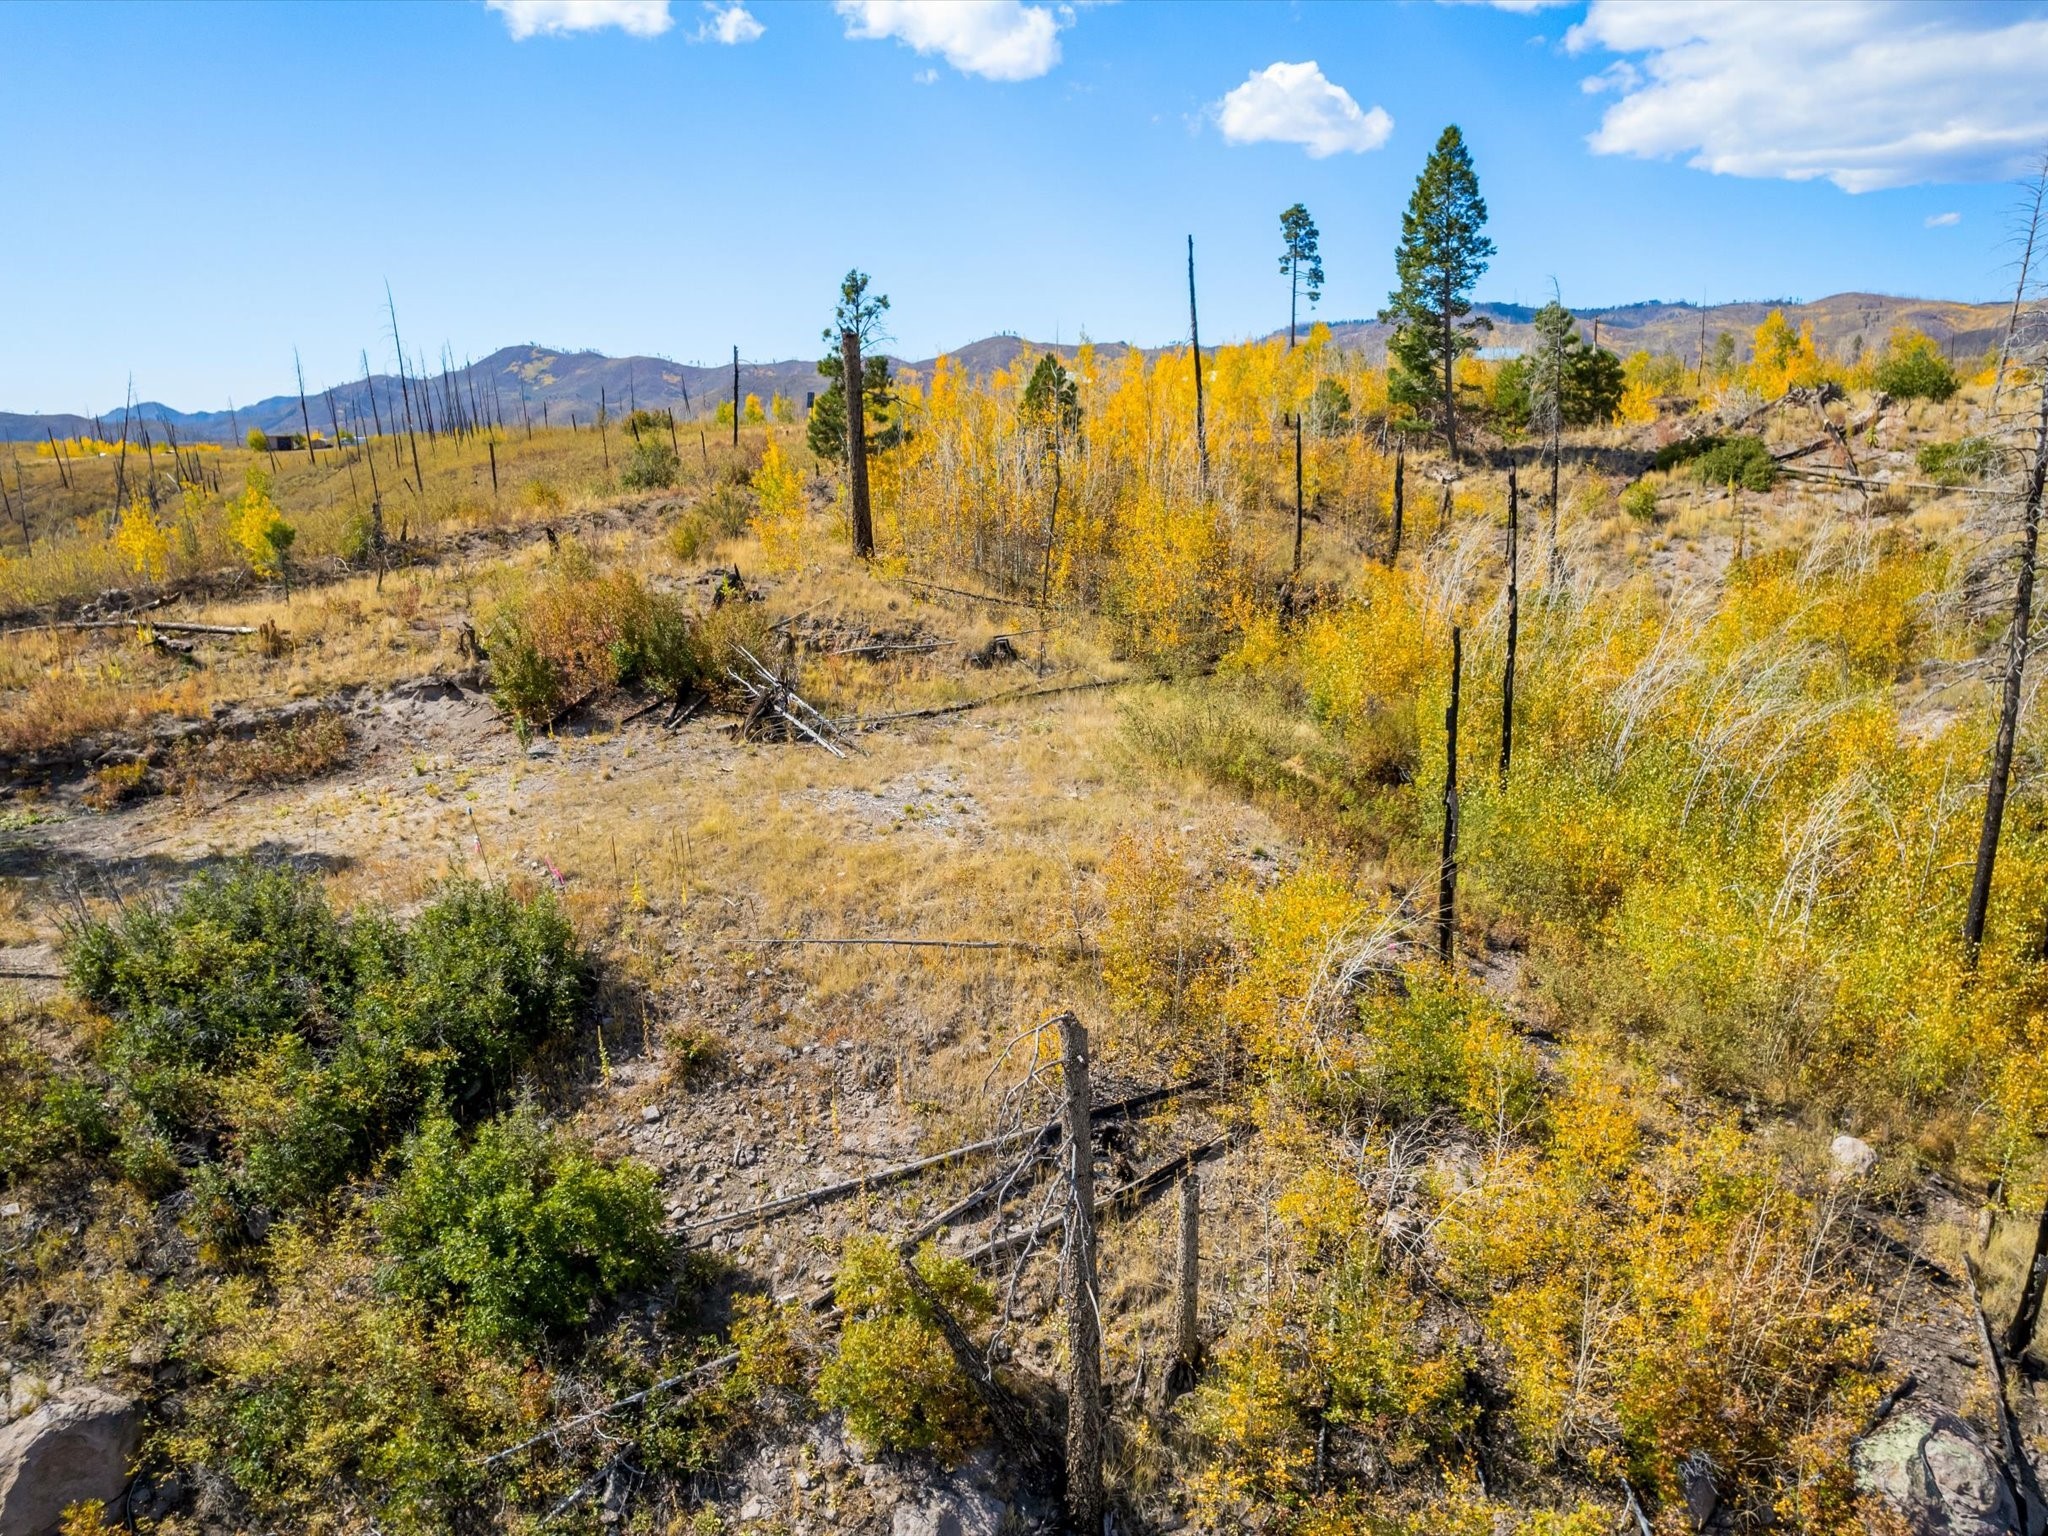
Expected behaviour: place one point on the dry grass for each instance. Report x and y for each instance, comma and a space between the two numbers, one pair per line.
282, 754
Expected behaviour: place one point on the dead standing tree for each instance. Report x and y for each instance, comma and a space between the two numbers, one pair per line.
1507, 680
2016, 647
1195, 346
1447, 871
1080, 1291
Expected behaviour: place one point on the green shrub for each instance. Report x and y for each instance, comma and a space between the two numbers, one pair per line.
1911, 367
651, 466
691, 536
518, 1232
1962, 462
894, 1376
241, 956
1743, 461
45, 1113
488, 977
292, 1044
660, 647
1684, 451
1639, 501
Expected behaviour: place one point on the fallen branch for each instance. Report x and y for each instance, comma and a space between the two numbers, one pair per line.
979, 597
13, 975
708, 1368
1008, 695
1017, 944
1127, 1195
1121, 1109
1843, 477
880, 647
2013, 1465
165, 626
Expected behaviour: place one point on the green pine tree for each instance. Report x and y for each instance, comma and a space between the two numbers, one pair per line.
1442, 254
1301, 261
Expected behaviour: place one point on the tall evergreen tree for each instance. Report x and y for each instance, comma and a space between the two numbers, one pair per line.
856, 324
1301, 261
1442, 254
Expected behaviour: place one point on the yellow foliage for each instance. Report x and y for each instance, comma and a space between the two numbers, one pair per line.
779, 522
143, 541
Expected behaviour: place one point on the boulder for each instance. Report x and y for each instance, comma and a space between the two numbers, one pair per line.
1933, 1469
1853, 1157
75, 1447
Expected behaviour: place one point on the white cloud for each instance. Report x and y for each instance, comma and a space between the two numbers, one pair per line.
1296, 104
926, 77
728, 24
557, 18
1867, 94
998, 39
1943, 220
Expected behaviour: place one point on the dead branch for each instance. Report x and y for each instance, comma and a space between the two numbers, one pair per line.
1008, 695
1120, 1109
166, 626
1079, 950
668, 1383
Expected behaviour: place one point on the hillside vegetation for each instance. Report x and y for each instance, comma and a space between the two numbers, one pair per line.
492, 949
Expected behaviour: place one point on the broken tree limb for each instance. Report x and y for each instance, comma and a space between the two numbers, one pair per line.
1125, 1196
667, 1383
1015, 944
1007, 696
1011, 1420
979, 597
2013, 1465
1120, 1109
166, 626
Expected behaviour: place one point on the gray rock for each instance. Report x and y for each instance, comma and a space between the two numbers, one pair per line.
1931, 1467
1853, 1157
951, 1512
73, 1448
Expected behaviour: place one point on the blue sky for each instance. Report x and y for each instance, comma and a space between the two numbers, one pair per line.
197, 189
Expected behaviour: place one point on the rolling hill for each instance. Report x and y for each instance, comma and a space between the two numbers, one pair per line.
539, 382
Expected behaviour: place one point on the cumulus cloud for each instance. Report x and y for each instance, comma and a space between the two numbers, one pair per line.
1297, 104
729, 24
1867, 94
997, 39
1943, 220
558, 18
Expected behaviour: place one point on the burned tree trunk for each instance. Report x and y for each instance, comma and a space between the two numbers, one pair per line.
1297, 495
1507, 681
735, 396
2020, 1333
1078, 1282
856, 444
1195, 346
1447, 871
1400, 492
1187, 1354
305, 416
2009, 708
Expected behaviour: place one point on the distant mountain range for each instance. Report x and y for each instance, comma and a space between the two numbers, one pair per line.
515, 384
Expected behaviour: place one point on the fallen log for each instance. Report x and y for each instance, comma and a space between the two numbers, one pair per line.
1008, 695
163, 626
1015, 944
1121, 1109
